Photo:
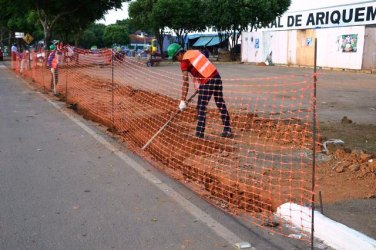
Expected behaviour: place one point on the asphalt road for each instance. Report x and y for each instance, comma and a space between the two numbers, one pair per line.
65, 184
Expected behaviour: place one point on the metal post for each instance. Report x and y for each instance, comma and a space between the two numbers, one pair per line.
320, 199
42, 68
112, 92
314, 144
66, 86
29, 62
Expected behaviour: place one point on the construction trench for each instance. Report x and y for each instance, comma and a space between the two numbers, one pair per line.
239, 175
266, 164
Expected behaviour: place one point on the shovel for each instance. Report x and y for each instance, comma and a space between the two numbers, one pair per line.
168, 122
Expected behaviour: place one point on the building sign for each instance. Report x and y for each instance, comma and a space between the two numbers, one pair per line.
18, 34
338, 16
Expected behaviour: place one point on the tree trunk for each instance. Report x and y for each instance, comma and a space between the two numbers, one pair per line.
10, 42
1, 37
179, 34
47, 38
184, 38
234, 42
160, 38
47, 33
77, 39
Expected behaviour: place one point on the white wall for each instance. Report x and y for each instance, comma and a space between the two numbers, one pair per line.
249, 51
329, 53
292, 42
284, 44
275, 41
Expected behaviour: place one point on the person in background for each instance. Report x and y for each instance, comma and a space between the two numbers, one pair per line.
53, 63
69, 55
24, 57
205, 51
14, 53
208, 82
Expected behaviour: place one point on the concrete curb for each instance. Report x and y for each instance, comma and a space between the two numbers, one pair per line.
332, 233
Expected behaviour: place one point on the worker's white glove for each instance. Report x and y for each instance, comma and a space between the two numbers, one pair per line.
182, 105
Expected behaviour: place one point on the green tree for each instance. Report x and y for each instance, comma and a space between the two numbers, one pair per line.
5, 27
141, 13
98, 30
88, 39
35, 29
231, 17
129, 24
14, 18
263, 11
180, 16
93, 35
115, 34
51, 12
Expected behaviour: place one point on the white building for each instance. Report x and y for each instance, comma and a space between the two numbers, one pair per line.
346, 38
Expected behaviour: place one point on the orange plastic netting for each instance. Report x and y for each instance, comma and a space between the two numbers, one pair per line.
267, 162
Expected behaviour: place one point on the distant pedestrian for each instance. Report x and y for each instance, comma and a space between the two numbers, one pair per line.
205, 51
53, 64
14, 53
24, 57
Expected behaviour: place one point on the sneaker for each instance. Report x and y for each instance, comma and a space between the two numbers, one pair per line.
73, 106
227, 134
199, 135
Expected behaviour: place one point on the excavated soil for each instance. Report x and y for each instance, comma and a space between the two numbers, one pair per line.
224, 171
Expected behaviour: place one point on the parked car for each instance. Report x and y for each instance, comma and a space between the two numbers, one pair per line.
1, 55
94, 49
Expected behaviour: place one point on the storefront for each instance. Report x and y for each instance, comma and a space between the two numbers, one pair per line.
346, 38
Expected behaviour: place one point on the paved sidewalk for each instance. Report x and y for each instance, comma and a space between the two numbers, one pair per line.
65, 185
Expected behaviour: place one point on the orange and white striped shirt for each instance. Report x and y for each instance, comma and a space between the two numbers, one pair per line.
198, 65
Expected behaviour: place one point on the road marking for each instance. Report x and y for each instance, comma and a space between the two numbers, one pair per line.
200, 215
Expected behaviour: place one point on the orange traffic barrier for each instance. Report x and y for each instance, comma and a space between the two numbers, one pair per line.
267, 161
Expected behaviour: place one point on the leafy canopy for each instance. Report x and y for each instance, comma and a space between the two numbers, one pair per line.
74, 14
115, 34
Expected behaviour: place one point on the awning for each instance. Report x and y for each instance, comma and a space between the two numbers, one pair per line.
194, 36
214, 41
202, 41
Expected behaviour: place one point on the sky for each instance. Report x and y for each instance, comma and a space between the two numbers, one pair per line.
114, 15
296, 5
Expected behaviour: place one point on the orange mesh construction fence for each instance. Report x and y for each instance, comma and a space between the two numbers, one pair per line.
265, 162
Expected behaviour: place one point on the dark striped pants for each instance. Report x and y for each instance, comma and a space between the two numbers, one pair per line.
206, 91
